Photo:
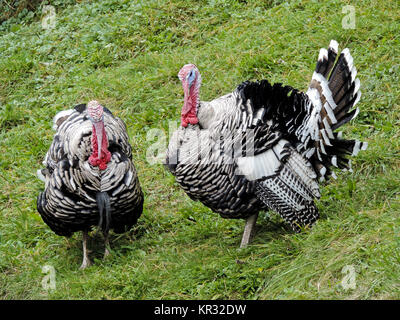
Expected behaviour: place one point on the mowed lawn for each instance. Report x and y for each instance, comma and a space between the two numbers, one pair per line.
127, 54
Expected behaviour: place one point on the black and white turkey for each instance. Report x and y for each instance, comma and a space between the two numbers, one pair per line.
263, 146
90, 179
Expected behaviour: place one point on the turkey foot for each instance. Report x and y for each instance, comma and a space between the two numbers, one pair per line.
248, 230
106, 246
86, 261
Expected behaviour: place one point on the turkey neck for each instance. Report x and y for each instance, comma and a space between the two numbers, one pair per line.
190, 105
100, 155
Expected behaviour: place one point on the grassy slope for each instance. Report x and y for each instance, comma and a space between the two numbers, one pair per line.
127, 56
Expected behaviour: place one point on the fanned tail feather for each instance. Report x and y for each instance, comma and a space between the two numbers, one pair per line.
333, 92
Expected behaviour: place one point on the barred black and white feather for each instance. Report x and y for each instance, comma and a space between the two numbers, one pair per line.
266, 146
78, 196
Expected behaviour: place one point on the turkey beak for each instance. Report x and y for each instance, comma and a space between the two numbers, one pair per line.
99, 126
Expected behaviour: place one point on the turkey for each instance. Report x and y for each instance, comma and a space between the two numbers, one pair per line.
90, 179
266, 147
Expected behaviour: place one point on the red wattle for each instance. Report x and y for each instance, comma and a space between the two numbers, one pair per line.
190, 117
105, 154
185, 120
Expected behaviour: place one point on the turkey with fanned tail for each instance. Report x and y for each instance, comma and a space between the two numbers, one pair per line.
90, 179
266, 146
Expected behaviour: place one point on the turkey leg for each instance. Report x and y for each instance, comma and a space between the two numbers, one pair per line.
248, 230
106, 245
86, 261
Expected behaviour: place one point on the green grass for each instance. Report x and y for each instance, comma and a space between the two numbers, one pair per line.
127, 55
